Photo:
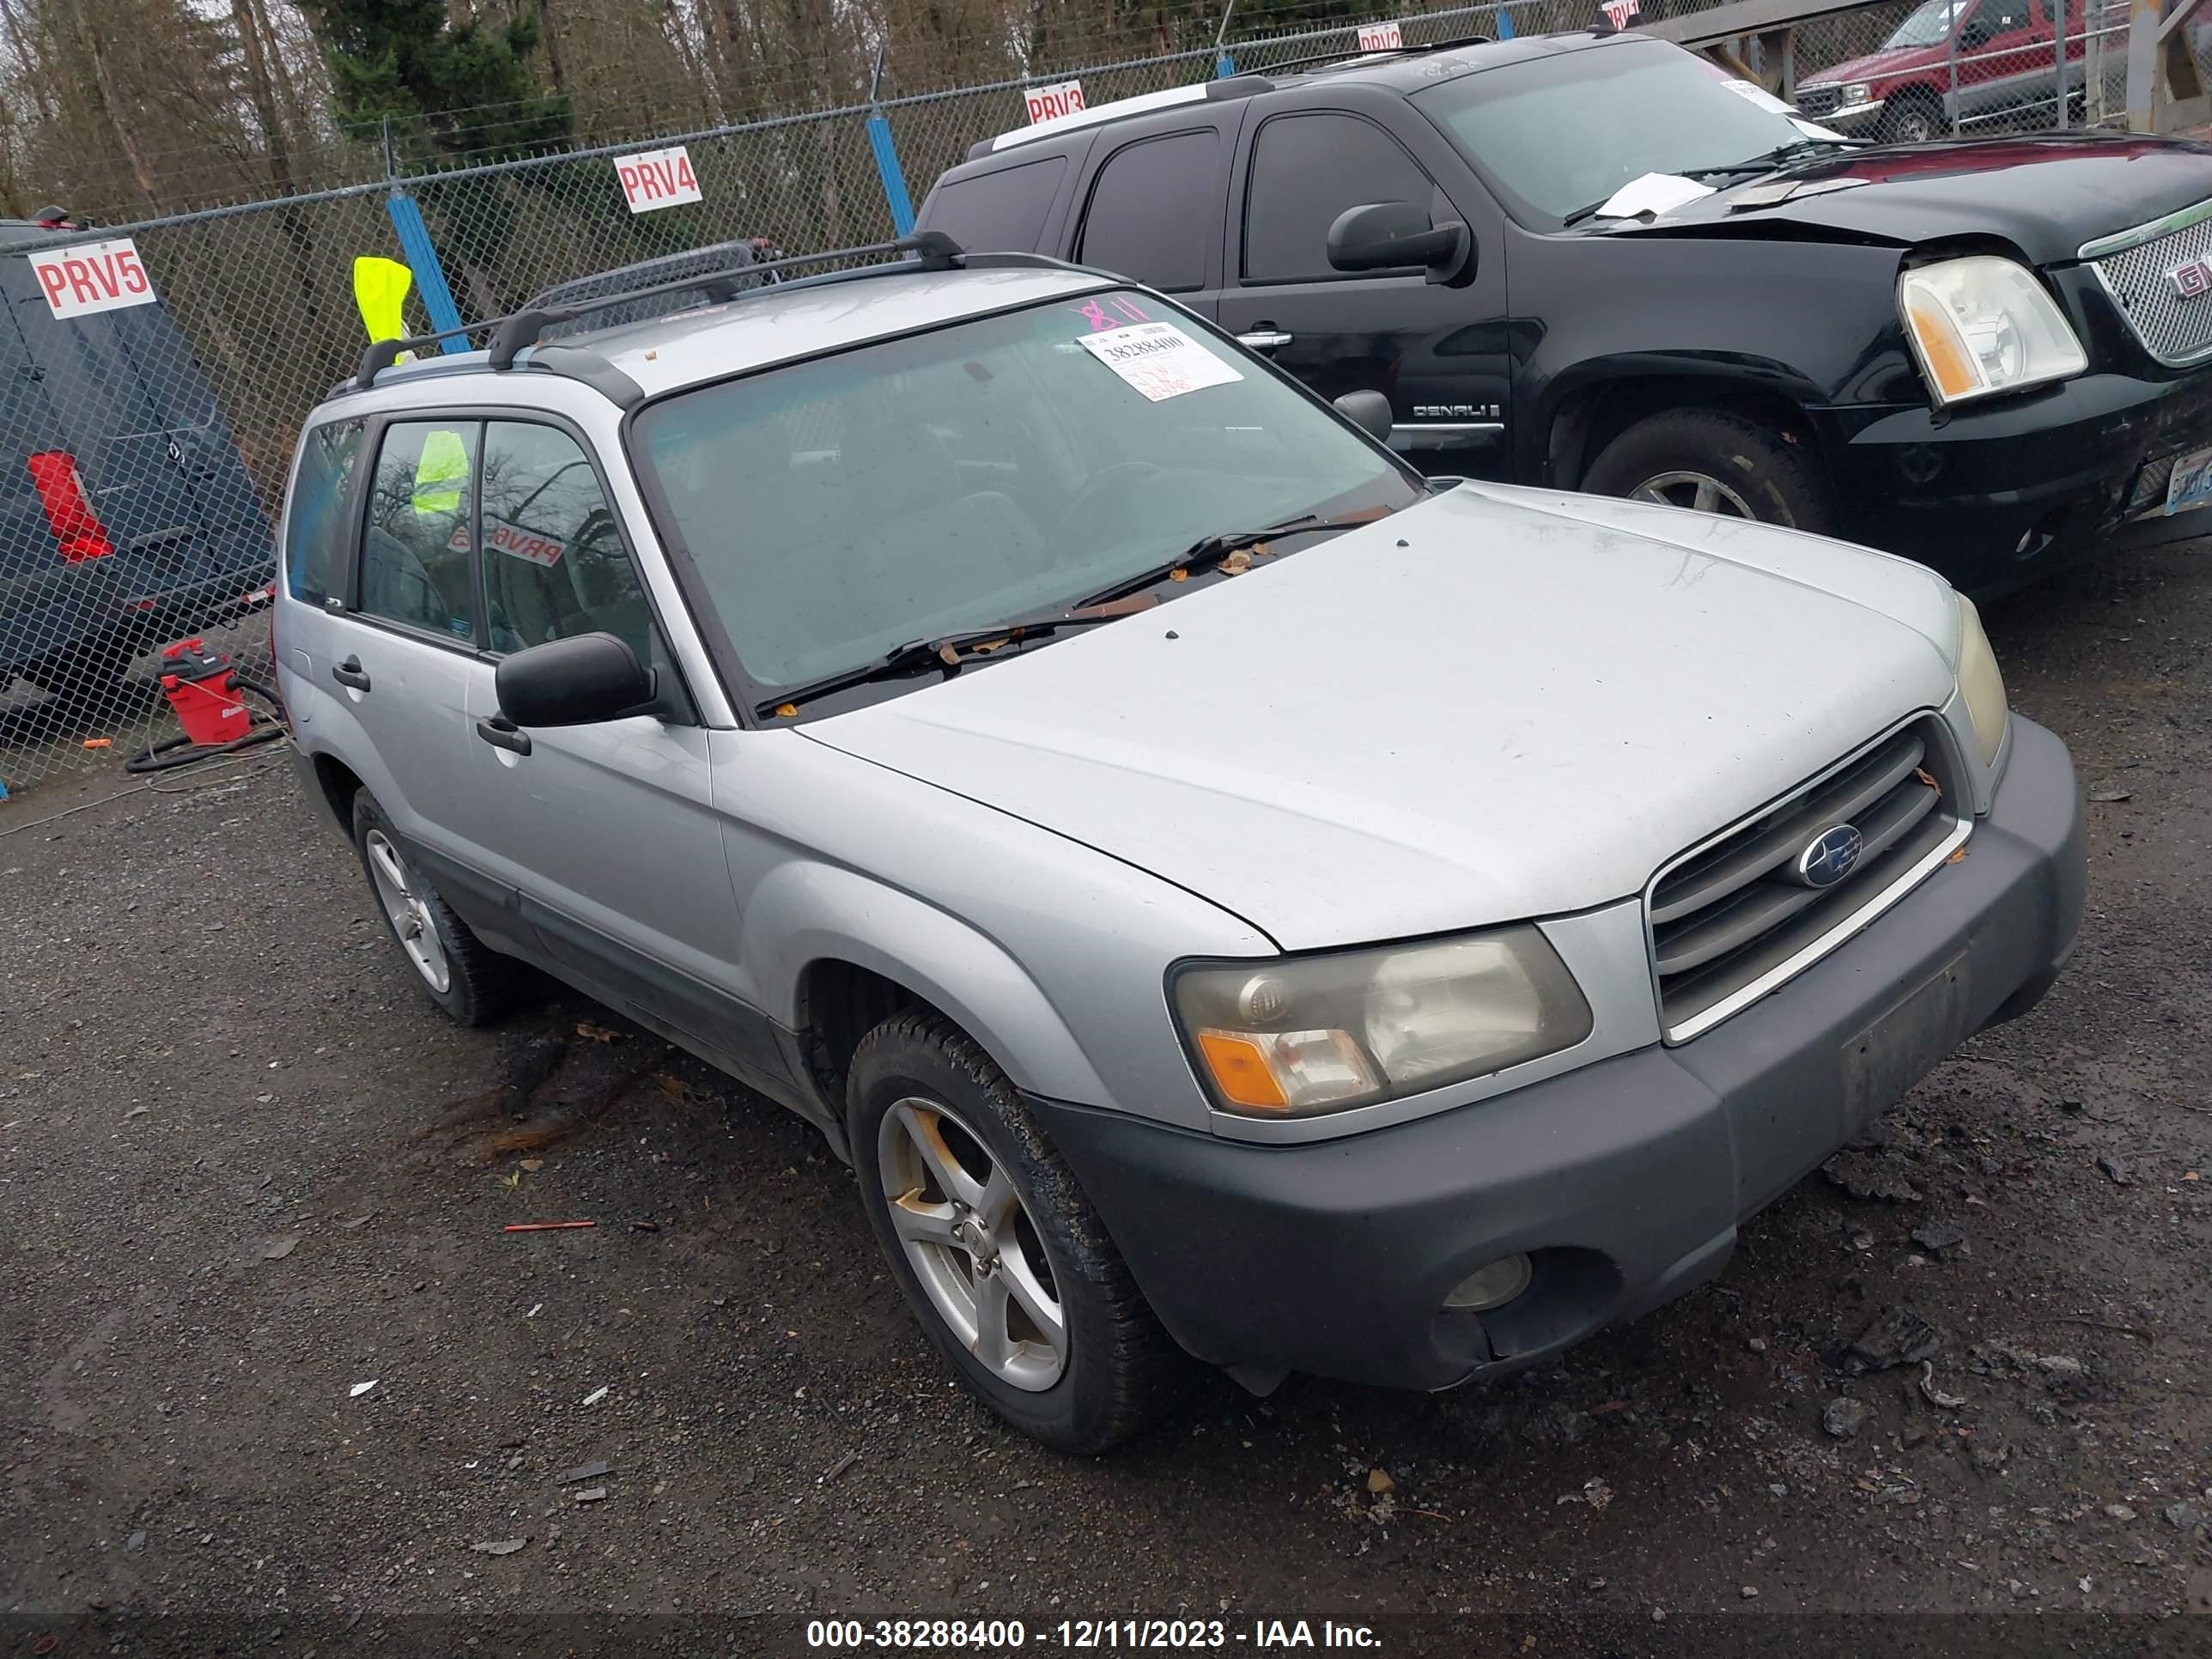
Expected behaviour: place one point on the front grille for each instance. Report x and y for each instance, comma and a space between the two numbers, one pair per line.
2136, 269
1816, 101
1733, 919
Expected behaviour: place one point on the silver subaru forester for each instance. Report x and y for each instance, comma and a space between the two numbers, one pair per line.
1227, 895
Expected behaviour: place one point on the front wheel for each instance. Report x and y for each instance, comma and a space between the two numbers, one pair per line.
1713, 463
1912, 118
1000, 1255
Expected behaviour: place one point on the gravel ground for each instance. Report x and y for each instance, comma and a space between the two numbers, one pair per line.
268, 1353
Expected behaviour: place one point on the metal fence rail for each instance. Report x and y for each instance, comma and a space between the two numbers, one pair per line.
143, 447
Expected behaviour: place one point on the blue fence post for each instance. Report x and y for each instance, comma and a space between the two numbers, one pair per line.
886, 153
1505, 22
887, 165
1224, 64
422, 258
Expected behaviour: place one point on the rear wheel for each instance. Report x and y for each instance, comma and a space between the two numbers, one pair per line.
92, 674
471, 982
1713, 462
1000, 1255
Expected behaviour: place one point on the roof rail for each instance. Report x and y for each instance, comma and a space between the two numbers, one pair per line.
1347, 59
935, 251
1234, 86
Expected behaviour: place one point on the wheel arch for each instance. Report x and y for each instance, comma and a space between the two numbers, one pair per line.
846, 952
1598, 407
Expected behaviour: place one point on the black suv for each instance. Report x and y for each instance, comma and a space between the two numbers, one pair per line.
1594, 261
126, 513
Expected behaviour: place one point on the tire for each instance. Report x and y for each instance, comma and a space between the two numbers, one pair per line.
92, 674
473, 984
1912, 118
1714, 462
924, 1099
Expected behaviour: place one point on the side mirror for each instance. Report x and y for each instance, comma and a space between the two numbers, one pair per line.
1368, 411
1393, 235
577, 682
1977, 32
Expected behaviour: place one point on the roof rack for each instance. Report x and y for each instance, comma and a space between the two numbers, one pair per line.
1347, 59
511, 334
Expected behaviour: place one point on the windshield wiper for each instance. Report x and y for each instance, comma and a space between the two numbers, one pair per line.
1208, 551
950, 652
1780, 156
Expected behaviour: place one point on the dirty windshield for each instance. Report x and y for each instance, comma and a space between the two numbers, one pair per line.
1000, 468
1561, 133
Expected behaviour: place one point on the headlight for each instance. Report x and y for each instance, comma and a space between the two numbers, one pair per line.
1858, 92
1322, 1034
1980, 683
1982, 325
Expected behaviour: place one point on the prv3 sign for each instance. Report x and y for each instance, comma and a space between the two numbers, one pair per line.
1049, 103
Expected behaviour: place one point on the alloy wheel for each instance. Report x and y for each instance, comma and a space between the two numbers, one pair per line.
409, 916
971, 1243
1699, 491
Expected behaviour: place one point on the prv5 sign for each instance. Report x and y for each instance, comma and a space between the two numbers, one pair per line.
656, 178
92, 276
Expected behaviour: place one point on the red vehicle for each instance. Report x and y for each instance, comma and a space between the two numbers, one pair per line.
1966, 60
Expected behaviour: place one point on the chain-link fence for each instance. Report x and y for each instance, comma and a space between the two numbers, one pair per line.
159, 372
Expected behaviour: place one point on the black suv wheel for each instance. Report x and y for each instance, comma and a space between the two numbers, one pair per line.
1714, 463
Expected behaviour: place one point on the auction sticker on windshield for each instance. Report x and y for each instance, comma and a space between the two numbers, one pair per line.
2191, 483
1159, 359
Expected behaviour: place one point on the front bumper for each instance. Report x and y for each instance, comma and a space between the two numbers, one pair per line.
1625, 1181
1999, 496
1852, 120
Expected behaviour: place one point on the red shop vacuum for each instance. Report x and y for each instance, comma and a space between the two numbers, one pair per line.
207, 696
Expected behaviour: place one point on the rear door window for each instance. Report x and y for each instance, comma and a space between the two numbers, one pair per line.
1154, 213
417, 567
553, 562
1306, 170
1000, 211
314, 524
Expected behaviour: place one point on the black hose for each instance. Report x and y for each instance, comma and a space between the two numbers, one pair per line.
160, 759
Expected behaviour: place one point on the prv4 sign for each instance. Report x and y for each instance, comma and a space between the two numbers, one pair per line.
92, 276
1380, 37
656, 178
1049, 103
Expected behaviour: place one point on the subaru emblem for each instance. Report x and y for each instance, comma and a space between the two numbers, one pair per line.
1830, 856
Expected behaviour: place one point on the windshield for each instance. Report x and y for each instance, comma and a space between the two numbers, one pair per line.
1556, 134
1929, 26
1004, 467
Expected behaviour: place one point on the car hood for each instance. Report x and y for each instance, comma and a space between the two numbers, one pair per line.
1497, 704
2046, 195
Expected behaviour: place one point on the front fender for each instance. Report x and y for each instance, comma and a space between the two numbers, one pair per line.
1777, 314
806, 912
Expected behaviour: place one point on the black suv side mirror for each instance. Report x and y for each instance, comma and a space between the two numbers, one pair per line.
576, 682
1368, 411
1392, 235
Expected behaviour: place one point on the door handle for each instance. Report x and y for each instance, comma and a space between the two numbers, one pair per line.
501, 733
1265, 338
348, 672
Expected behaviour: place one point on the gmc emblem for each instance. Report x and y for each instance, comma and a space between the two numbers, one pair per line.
2192, 280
